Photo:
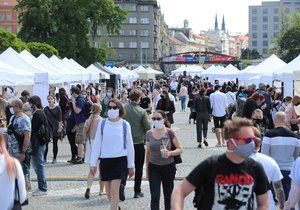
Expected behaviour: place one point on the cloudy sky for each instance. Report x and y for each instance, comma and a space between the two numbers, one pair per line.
201, 13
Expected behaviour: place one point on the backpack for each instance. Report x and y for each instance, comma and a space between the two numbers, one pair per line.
200, 200
103, 122
44, 133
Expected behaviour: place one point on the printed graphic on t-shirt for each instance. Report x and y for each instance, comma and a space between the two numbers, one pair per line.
234, 191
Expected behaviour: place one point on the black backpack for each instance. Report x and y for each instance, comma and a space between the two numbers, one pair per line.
45, 131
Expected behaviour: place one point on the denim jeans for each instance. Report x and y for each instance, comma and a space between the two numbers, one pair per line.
38, 165
286, 183
183, 102
164, 175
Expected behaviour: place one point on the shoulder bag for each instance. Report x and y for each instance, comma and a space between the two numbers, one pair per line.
177, 158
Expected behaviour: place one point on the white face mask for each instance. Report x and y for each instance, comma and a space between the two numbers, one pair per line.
113, 113
12, 111
158, 124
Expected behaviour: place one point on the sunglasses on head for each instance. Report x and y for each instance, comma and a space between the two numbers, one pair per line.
156, 118
246, 140
113, 107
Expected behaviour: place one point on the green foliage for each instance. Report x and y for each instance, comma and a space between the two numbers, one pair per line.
8, 39
37, 48
65, 24
250, 54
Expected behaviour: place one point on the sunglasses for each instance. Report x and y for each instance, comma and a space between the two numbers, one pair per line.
113, 107
246, 140
156, 118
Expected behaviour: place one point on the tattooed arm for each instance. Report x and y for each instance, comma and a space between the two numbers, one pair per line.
279, 193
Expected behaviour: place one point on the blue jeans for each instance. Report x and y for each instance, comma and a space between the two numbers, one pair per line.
286, 183
183, 102
38, 165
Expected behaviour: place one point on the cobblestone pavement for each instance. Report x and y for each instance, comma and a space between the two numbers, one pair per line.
67, 186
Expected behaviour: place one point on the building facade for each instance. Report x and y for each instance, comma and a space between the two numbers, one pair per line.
265, 22
9, 17
143, 37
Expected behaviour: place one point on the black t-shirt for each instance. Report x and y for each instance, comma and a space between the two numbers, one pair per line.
234, 185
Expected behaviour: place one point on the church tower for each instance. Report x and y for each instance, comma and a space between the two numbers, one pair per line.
216, 23
223, 24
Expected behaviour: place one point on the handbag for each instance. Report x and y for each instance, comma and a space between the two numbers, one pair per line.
294, 127
177, 158
17, 203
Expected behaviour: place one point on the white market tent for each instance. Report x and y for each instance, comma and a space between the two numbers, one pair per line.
153, 71
140, 70
190, 70
103, 74
84, 73
41, 77
93, 76
9, 75
264, 70
148, 73
214, 72
286, 75
55, 77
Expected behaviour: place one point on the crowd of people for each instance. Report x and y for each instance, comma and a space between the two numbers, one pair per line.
119, 134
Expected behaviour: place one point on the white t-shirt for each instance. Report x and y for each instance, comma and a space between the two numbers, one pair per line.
295, 173
174, 85
231, 99
272, 171
218, 101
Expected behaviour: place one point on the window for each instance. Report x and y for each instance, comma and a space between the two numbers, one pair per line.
121, 45
121, 56
254, 35
276, 11
145, 8
254, 19
132, 8
265, 27
265, 11
133, 45
276, 34
144, 32
1, 16
122, 7
265, 43
145, 44
144, 20
109, 44
276, 19
254, 27
96, 44
98, 31
276, 27
8, 16
265, 18
254, 11
122, 32
265, 51
133, 20
254, 43
287, 10
265, 35
132, 32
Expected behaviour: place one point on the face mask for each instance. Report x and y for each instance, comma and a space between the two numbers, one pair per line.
158, 124
31, 108
113, 113
109, 94
125, 95
244, 151
12, 111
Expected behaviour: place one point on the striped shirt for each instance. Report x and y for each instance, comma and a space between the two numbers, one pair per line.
283, 146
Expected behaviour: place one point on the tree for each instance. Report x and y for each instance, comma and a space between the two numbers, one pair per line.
65, 24
37, 48
249, 54
8, 39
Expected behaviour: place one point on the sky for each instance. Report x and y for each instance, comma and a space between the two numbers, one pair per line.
201, 13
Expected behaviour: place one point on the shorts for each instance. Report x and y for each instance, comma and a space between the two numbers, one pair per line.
79, 138
219, 121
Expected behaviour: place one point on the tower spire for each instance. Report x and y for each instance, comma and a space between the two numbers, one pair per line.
223, 24
216, 23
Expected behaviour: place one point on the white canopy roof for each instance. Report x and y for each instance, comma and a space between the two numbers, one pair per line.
103, 74
139, 69
94, 76
12, 58
85, 74
288, 69
9, 75
75, 76
55, 76
152, 71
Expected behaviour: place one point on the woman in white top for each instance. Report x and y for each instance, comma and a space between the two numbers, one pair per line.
89, 130
114, 145
10, 170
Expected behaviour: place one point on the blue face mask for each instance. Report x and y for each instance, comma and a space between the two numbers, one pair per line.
109, 94
244, 151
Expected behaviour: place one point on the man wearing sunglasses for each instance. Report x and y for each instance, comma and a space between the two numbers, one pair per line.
231, 180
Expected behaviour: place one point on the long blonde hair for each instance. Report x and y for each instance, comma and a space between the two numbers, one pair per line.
96, 109
11, 169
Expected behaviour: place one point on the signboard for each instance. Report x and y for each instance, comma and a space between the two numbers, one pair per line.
110, 63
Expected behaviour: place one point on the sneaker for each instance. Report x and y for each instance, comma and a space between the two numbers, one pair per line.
54, 161
78, 161
72, 160
122, 193
205, 143
218, 145
200, 145
138, 195
224, 145
39, 192
87, 193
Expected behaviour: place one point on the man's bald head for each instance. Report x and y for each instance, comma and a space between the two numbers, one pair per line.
280, 119
17, 103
